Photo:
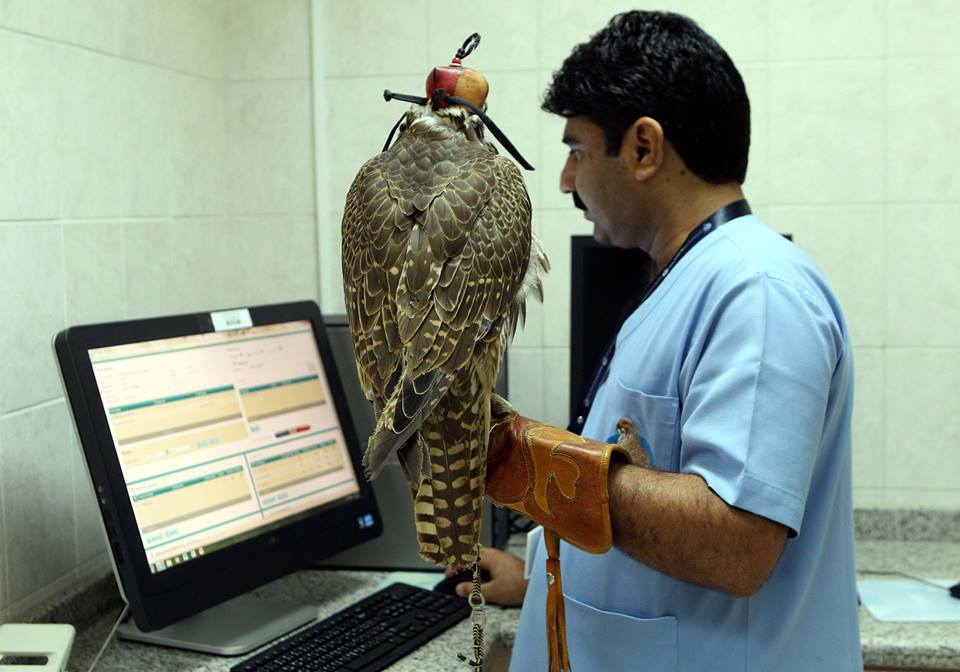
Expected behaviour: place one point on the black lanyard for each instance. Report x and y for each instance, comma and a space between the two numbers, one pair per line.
722, 216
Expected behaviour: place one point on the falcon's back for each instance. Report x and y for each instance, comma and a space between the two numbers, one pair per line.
436, 264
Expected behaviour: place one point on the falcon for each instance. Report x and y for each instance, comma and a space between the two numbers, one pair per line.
438, 259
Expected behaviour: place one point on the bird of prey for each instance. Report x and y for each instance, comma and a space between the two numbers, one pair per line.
438, 257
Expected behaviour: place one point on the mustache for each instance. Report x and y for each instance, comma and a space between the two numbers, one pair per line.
578, 203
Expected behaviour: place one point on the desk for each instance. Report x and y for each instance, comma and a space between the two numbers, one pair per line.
909, 646
899, 646
331, 589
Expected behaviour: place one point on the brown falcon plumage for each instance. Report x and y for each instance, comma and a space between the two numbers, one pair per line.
438, 256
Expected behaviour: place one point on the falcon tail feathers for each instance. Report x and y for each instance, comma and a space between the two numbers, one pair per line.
448, 501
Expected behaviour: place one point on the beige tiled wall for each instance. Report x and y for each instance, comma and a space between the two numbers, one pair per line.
171, 155
156, 156
855, 120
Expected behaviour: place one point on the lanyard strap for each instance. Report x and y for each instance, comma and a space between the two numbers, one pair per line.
718, 218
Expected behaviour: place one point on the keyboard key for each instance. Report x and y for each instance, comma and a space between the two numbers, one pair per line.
370, 656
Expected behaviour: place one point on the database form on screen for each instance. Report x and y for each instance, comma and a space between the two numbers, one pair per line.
222, 436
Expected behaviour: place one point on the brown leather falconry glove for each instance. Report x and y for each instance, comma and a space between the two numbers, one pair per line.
555, 477
559, 480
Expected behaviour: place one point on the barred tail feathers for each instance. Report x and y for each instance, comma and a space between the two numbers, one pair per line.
449, 503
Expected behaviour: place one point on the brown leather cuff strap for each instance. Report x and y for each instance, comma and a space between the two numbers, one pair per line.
557, 654
557, 478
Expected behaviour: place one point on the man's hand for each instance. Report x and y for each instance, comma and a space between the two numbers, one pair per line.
506, 585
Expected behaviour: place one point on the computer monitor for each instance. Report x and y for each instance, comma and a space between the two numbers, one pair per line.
605, 283
223, 457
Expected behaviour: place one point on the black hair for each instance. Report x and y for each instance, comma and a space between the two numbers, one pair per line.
660, 65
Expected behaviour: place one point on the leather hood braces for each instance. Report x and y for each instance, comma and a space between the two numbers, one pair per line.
440, 99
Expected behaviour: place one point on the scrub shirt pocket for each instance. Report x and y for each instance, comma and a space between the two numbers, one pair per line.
656, 418
603, 640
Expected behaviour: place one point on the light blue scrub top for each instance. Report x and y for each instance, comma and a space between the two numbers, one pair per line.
737, 368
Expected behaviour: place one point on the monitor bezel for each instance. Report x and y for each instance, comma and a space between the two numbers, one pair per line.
159, 599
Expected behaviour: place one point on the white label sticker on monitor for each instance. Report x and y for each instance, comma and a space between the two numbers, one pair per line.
226, 320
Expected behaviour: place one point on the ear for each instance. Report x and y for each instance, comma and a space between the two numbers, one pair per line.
643, 148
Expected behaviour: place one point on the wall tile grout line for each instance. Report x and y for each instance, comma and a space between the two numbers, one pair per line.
804, 204
46, 403
4, 582
101, 52
43, 594
64, 325
164, 218
28, 220
885, 229
268, 80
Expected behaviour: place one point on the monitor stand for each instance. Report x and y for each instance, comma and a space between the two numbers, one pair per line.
229, 629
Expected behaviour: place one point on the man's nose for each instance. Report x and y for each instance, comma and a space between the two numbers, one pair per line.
568, 177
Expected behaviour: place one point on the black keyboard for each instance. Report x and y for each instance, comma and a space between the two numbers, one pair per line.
366, 636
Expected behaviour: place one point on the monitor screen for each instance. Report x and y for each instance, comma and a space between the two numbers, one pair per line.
222, 436
221, 450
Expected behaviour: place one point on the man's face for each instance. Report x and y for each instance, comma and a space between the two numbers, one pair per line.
598, 182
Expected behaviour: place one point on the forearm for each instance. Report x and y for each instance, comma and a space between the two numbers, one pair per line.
675, 524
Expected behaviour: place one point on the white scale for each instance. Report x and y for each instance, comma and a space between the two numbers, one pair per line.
35, 647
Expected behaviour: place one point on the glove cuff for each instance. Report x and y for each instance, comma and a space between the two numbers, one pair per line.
556, 478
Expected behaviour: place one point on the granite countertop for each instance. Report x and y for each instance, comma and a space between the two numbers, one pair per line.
331, 589
920, 646
923, 546
909, 645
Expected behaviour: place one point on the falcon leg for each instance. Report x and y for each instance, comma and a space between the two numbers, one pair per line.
477, 617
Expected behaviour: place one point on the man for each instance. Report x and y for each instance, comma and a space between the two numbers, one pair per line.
735, 550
